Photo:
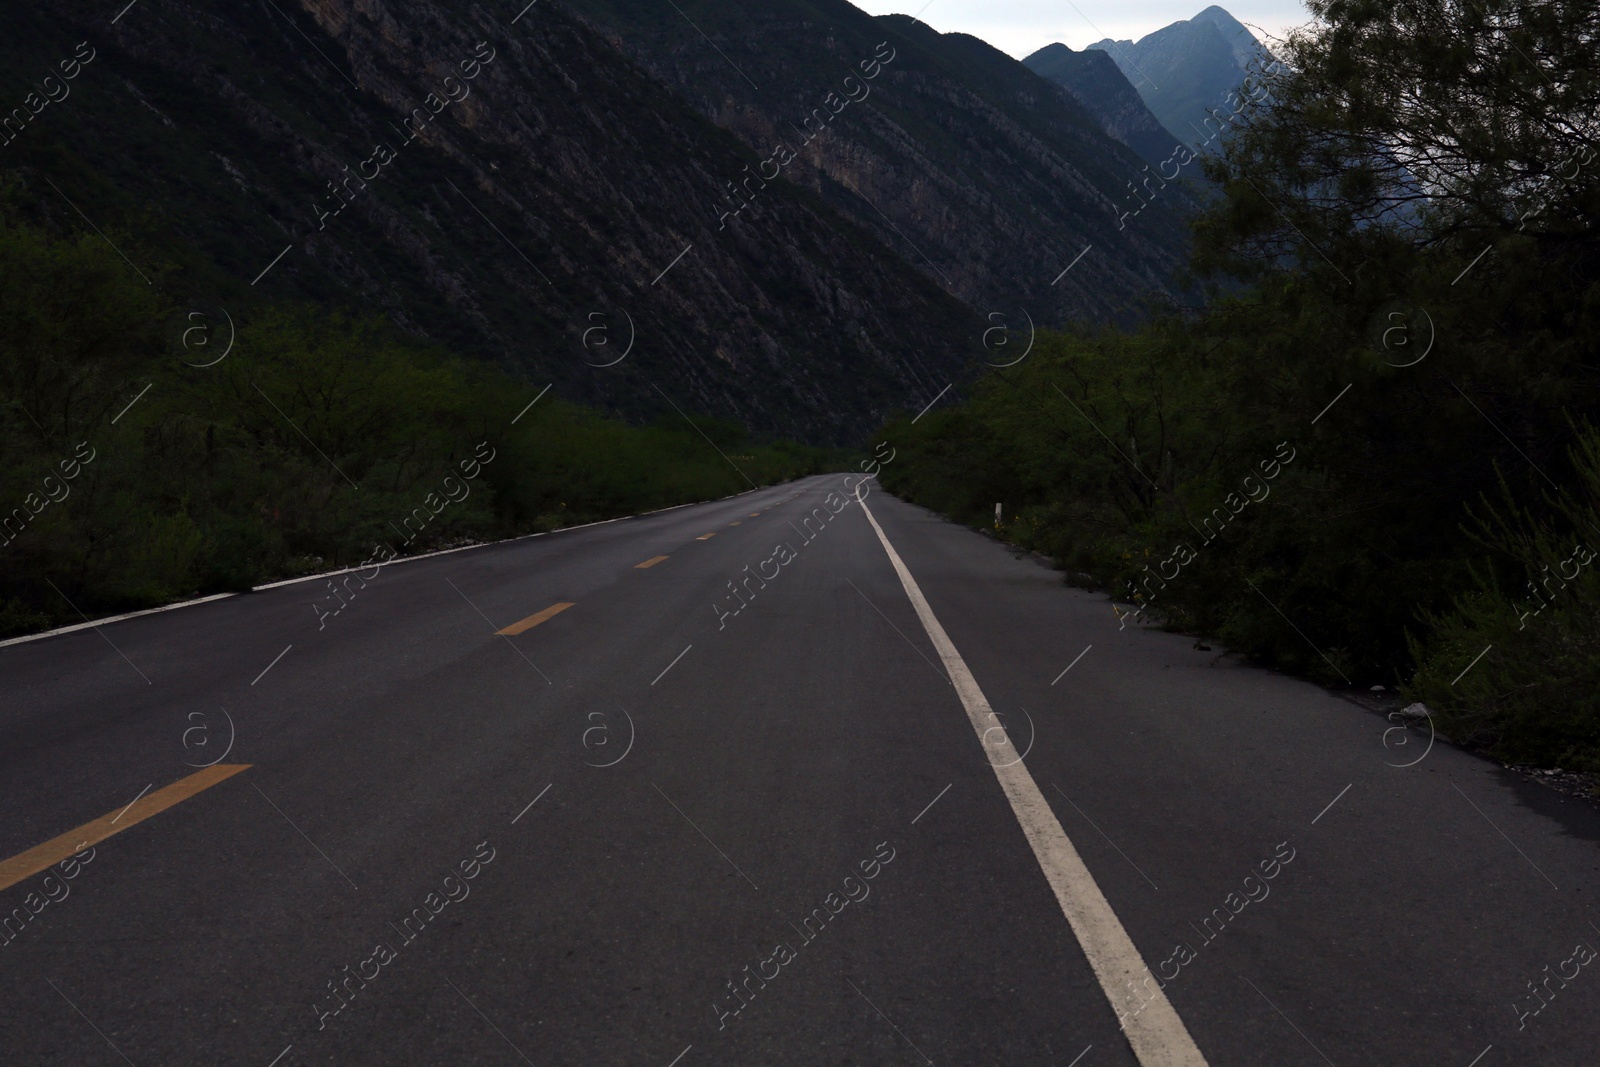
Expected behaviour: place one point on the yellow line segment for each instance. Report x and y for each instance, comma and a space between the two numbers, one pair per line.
651, 562
59, 848
535, 619
735, 523
705, 537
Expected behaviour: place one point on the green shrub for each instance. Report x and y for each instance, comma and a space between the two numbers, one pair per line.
1514, 664
311, 444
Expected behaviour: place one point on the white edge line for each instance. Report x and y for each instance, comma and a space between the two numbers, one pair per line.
75, 627
1155, 1032
285, 1052
680, 1056
1480, 1056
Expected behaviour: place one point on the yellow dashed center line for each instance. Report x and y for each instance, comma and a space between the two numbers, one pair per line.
535, 619
57, 849
735, 523
651, 562
753, 514
705, 537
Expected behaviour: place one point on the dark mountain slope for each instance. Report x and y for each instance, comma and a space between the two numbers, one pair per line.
563, 185
972, 167
1095, 80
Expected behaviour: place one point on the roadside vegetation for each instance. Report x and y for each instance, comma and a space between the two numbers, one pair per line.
133, 474
1404, 297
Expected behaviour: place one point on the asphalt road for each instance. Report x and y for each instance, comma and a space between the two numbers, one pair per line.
571, 845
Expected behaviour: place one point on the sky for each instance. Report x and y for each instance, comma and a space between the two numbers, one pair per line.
1018, 27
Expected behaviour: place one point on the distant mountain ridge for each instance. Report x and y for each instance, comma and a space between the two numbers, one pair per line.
1094, 78
1186, 70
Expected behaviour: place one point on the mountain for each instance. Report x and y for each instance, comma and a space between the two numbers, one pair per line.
1185, 70
499, 187
1096, 82
1248, 52
987, 178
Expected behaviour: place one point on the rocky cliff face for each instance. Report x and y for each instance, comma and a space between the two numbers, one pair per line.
977, 172
510, 187
1096, 82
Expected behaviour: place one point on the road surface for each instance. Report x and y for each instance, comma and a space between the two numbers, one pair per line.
936, 811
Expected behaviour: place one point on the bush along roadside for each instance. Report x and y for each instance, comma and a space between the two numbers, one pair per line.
131, 478
1420, 331
1512, 666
